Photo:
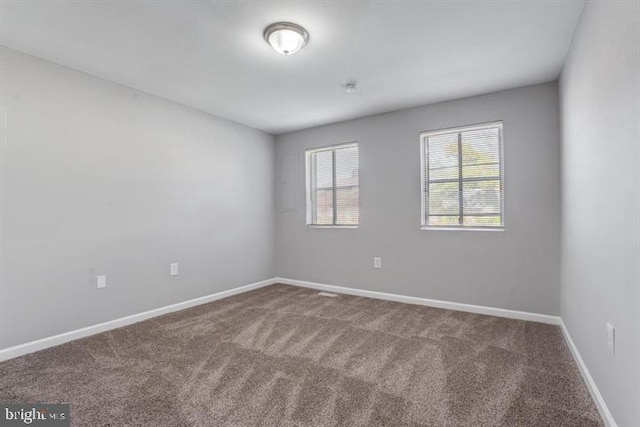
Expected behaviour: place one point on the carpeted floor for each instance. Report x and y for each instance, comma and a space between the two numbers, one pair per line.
285, 356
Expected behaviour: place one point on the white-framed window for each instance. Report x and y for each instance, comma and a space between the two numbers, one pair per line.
332, 186
462, 177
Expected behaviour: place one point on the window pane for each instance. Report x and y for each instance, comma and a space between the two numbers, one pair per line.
444, 220
482, 221
444, 198
347, 202
481, 197
480, 146
442, 156
323, 165
323, 207
347, 166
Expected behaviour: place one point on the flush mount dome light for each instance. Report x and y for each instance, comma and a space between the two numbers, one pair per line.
285, 37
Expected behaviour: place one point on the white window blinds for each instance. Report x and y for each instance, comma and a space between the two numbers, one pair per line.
332, 186
462, 179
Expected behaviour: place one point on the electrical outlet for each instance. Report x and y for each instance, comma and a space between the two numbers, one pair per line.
101, 282
173, 269
611, 338
377, 262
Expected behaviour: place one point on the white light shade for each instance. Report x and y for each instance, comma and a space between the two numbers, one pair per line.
286, 38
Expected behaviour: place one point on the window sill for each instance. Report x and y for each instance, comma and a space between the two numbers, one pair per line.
332, 226
431, 228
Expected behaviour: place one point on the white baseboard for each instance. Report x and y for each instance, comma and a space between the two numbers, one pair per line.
479, 309
588, 379
41, 344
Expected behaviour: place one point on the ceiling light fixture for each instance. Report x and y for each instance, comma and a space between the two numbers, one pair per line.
350, 87
285, 37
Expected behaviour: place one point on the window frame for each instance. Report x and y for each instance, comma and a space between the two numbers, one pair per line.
309, 182
424, 178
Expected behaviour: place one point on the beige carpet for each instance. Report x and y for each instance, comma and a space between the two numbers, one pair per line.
285, 356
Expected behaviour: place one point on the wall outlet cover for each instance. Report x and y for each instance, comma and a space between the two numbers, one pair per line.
101, 282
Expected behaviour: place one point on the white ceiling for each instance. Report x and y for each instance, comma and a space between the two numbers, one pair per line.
210, 55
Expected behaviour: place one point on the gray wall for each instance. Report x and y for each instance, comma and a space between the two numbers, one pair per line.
515, 269
100, 179
600, 110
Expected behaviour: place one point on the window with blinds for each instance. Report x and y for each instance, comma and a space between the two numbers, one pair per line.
462, 178
332, 186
